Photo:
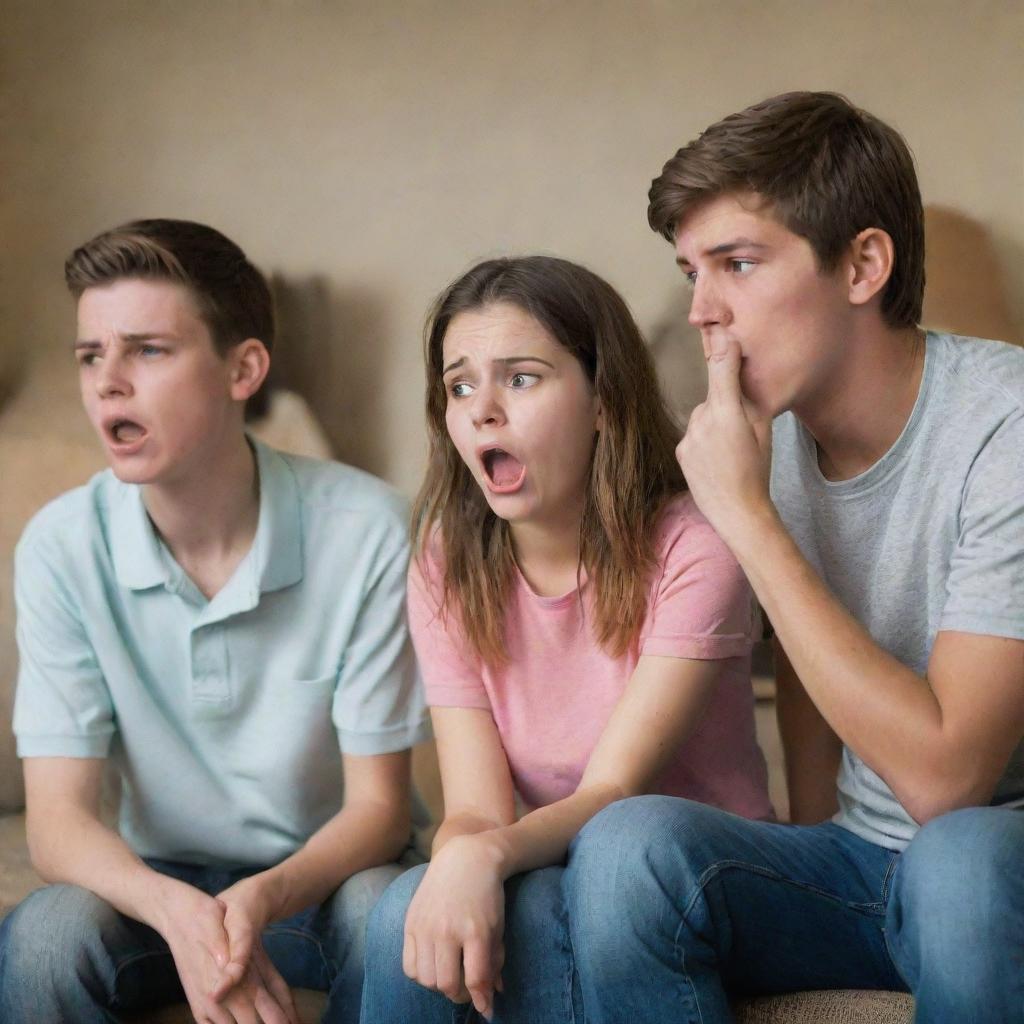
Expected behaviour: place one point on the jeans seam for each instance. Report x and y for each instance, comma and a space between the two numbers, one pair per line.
327, 962
719, 866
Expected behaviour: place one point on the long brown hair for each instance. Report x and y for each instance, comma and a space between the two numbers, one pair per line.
633, 469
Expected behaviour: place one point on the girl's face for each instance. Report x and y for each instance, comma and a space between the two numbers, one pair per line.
521, 413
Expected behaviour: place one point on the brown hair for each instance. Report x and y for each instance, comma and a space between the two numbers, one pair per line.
633, 469
231, 294
828, 169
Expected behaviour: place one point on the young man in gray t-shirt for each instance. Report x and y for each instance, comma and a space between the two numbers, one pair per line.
886, 544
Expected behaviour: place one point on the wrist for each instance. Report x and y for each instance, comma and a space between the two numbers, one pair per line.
750, 527
489, 849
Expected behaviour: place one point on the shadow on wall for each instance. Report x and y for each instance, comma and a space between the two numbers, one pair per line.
965, 291
333, 350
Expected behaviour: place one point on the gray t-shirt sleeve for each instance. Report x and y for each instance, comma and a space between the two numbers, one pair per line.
378, 704
985, 586
62, 706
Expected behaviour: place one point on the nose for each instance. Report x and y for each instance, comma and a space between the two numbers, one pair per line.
707, 307
487, 410
111, 377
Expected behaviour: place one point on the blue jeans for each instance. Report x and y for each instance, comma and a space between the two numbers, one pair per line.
68, 956
671, 904
539, 982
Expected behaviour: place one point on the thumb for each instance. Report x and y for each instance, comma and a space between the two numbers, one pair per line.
724, 372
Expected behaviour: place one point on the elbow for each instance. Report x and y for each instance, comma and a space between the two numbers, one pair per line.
938, 795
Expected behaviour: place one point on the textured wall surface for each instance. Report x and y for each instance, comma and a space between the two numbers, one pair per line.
367, 152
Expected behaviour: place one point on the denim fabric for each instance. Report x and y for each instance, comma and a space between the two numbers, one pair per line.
672, 904
68, 957
539, 982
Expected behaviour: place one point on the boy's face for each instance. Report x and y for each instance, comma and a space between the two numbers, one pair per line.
153, 386
756, 282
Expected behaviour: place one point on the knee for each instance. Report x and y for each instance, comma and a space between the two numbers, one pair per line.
631, 845
962, 856
56, 935
960, 876
385, 929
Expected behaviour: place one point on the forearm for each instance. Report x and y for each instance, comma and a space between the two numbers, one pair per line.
542, 837
881, 709
362, 835
71, 845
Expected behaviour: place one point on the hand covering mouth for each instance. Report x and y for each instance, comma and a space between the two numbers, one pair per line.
502, 468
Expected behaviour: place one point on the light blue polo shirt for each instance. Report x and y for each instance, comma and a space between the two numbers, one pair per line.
226, 718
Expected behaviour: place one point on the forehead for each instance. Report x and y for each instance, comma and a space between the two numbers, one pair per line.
495, 331
134, 306
725, 220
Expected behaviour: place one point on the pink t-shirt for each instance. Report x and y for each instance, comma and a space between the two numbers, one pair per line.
552, 698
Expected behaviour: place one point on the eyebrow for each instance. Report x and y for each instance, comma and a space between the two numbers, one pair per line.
718, 250
128, 339
507, 361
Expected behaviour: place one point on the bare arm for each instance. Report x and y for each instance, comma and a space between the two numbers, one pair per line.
939, 740
662, 703
454, 927
812, 750
69, 843
938, 743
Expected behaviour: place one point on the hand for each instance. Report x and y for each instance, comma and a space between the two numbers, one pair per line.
725, 453
455, 923
249, 978
192, 924
262, 996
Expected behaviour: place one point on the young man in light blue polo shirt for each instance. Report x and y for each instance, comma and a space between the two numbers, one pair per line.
224, 624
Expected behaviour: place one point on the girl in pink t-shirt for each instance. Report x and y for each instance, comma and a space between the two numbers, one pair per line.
583, 634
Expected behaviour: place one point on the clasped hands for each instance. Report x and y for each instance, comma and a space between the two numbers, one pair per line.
225, 972
454, 928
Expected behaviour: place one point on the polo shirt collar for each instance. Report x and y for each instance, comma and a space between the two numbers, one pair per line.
277, 547
276, 554
134, 545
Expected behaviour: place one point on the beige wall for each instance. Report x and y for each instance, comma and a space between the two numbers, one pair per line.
370, 151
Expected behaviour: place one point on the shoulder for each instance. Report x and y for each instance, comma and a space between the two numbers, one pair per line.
685, 539
329, 490
990, 373
59, 528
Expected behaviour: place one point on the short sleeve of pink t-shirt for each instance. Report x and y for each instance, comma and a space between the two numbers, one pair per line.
553, 697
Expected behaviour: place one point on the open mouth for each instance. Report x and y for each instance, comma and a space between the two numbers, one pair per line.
125, 432
505, 473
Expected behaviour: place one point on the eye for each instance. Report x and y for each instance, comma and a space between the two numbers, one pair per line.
460, 389
87, 358
741, 266
150, 350
690, 276
523, 380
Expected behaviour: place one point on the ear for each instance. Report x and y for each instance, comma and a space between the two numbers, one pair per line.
871, 259
249, 363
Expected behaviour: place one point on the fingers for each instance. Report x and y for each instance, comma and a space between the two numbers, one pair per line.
724, 372
448, 971
241, 939
275, 985
479, 958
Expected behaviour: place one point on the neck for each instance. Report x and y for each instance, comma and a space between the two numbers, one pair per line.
548, 554
864, 406
208, 517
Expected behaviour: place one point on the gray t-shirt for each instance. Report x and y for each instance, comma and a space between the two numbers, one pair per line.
929, 538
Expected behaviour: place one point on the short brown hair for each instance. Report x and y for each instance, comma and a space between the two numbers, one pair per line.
829, 171
232, 295
633, 470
